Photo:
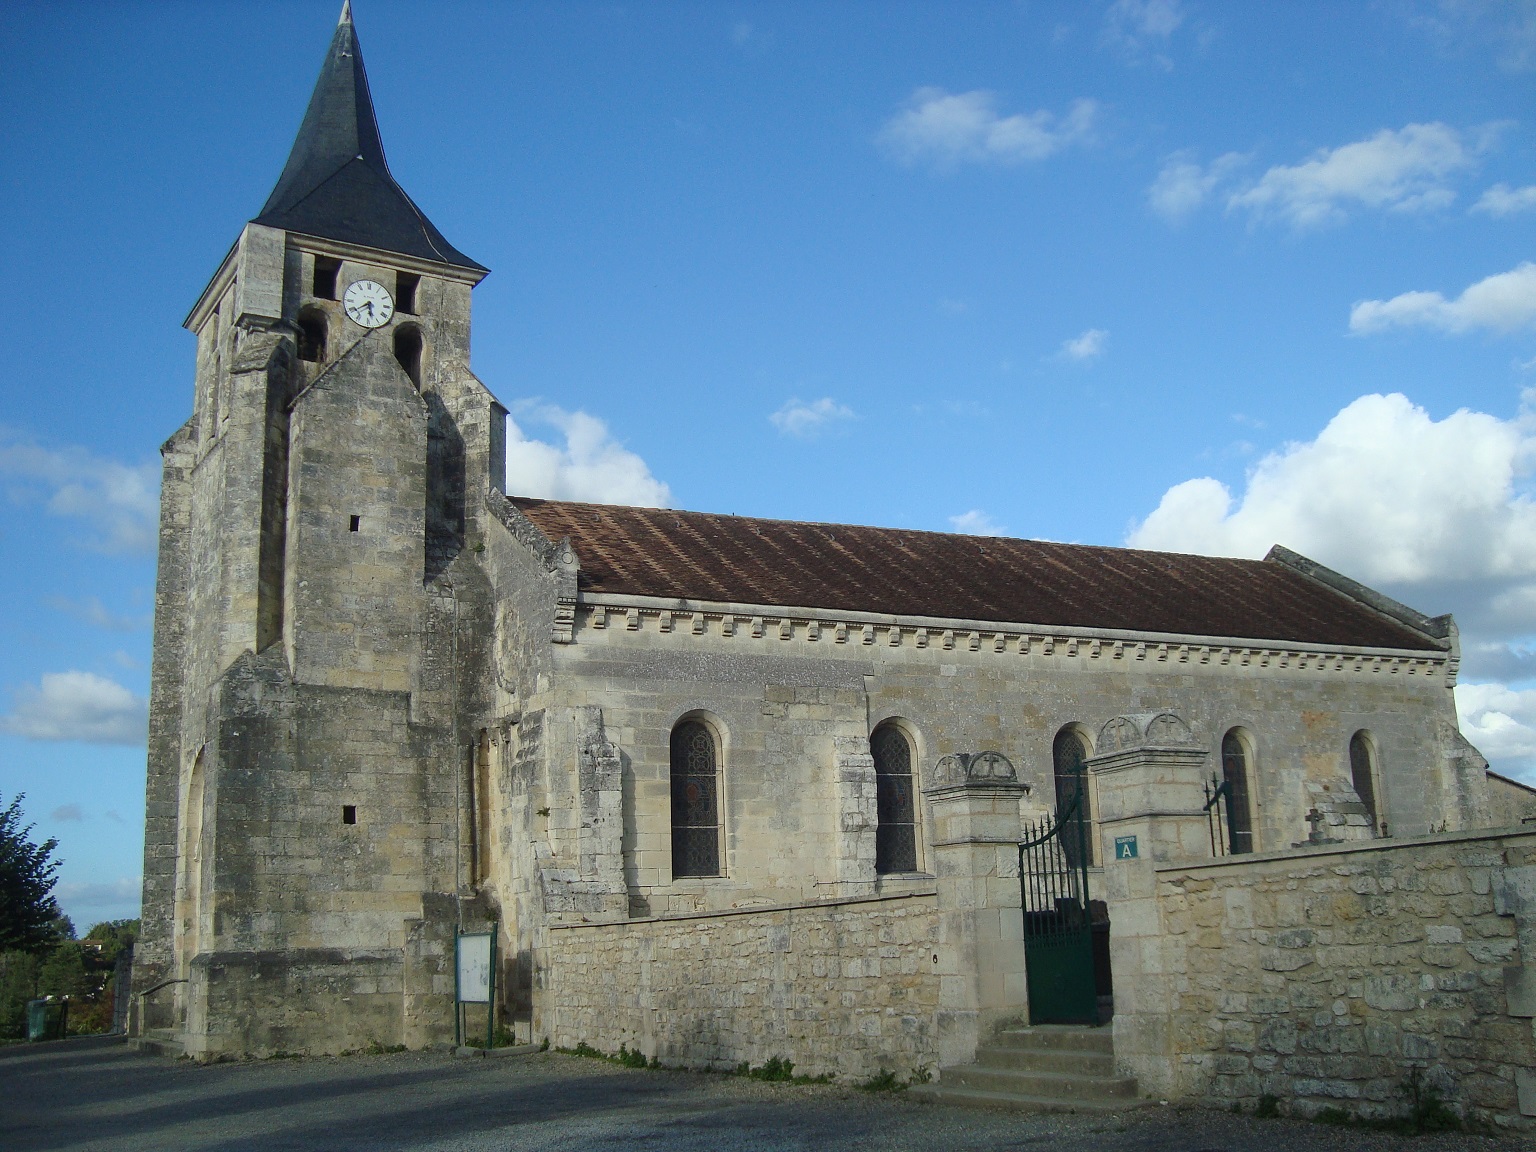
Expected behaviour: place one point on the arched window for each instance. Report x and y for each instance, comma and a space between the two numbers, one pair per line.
896, 832
695, 801
1070, 753
408, 351
1362, 771
1234, 770
189, 897
311, 335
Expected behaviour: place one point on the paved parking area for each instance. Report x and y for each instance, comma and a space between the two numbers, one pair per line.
95, 1094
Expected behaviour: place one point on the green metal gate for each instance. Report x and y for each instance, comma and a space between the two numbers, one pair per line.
1058, 929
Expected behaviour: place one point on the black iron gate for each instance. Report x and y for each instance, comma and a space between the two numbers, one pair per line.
1059, 928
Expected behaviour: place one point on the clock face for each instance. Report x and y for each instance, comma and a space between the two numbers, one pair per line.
368, 304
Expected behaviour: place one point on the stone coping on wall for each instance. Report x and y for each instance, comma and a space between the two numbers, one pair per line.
1352, 847
924, 893
604, 611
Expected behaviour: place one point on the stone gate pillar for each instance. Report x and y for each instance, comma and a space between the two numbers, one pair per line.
974, 801
1149, 775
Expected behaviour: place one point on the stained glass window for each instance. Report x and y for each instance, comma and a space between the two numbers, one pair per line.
695, 801
1234, 769
896, 832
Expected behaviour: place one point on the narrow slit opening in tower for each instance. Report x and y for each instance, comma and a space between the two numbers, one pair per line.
349, 813
311, 336
326, 271
405, 293
408, 351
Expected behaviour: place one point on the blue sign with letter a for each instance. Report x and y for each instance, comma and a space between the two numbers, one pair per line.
1125, 848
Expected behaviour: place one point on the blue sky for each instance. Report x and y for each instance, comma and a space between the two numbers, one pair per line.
1187, 275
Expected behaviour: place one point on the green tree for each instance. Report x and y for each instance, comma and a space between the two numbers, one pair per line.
64, 973
112, 936
28, 873
18, 984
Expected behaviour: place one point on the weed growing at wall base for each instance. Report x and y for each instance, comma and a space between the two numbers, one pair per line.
775, 1070
625, 1057
884, 1081
1427, 1112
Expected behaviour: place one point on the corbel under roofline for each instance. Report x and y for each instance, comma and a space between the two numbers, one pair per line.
717, 609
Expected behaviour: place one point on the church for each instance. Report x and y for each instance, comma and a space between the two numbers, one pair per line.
732, 789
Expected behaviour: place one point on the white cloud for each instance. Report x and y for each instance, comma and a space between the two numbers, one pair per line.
124, 892
976, 523
1507, 26
1182, 185
1135, 26
78, 706
1503, 302
1384, 492
1088, 346
591, 465
798, 418
1401, 171
1160, 18
1501, 721
121, 503
947, 129
92, 611
1502, 200
1432, 512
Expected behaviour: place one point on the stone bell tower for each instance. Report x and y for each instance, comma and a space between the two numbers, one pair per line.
303, 857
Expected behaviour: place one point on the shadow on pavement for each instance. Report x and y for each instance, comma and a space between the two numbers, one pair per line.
53, 1099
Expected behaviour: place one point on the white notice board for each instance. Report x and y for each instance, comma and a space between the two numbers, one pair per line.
474, 961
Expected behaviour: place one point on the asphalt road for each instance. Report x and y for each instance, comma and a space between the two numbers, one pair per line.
95, 1094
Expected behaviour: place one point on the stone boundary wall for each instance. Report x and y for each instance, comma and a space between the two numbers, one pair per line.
305, 1000
1322, 976
845, 987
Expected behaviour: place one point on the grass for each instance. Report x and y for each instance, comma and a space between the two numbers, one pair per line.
774, 1070
624, 1057
1427, 1112
884, 1081
780, 1071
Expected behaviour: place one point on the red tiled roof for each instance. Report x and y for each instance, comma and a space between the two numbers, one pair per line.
704, 556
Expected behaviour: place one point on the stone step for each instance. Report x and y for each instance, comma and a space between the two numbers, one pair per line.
1040, 1085
158, 1042
1061, 1061
1056, 1037
944, 1093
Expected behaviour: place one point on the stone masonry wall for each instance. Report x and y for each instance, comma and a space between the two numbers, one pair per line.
785, 700
1323, 976
1510, 802
844, 988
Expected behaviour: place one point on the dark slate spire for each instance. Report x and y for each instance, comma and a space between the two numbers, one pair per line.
336, 183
